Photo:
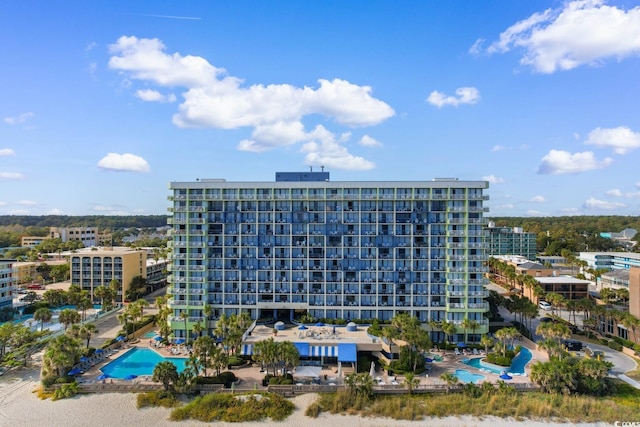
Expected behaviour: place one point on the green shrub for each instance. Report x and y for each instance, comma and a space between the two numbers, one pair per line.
157, 398
66, 391
313, 410
225, 378
49, 380
604, 341
235, 408
615, 346
236, 361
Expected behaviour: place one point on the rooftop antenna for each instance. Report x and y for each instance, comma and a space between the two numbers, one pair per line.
322, 168
311, 168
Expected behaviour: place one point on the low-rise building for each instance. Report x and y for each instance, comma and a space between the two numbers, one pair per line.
567, 286
511, 241
7, 282
616, 279
610, 260
95, 267
27, 271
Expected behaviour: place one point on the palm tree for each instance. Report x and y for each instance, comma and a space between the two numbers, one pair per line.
466, 325
83, 304
42, 315
487, 342
218, 359
84, 332
450, 379
202, 347
68, 316
449, 329
185, 316
61, 354
165, 373
124, 318
411, 382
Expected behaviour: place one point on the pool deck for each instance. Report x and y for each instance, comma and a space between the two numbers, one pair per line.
251, 376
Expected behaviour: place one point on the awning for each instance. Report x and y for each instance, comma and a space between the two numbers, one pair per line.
324, 351
347, 352
247, 349
303, 348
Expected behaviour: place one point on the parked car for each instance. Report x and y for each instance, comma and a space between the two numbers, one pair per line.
573, 345
544, 305
546, 320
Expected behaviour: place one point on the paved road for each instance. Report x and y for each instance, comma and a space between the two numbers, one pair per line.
621, 362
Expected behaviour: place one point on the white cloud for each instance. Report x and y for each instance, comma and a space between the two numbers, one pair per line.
505, 206
19, 212
614, 193
367, 141
532, 212
267, 137
602, 204
621, 139
26, 203
10, 176
19, 119
537, 199
215, 99
493, 179
7, 152
617, 193
465, 95
90, 46
497, 148
562, 162
55, 211
3, 203
325, 150
581, 32
151, 95
124, 162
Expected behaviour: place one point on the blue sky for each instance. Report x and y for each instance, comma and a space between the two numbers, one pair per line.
104, 103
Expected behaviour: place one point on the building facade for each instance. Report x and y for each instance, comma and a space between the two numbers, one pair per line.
336, 250
610, 260
511, 241
87, 235
7, 282
93, 268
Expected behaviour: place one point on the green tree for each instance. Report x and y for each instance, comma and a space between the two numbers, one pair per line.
411, 382
68, 316
137, 287
83, 332
202, 347
450, 380
165, 373
42, 315
61, 354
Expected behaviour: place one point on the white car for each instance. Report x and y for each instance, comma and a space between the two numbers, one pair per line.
544, 305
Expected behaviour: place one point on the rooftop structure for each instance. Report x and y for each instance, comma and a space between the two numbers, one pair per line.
335, 250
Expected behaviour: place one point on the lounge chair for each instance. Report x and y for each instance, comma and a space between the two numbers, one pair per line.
458, 352
475, 352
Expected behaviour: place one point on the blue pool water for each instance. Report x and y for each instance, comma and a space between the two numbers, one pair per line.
467, 377
139, 361
517, 364
150, 334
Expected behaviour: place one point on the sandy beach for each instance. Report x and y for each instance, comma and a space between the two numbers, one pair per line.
19, 406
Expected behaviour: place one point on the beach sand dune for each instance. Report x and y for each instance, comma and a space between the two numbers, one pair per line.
19, 406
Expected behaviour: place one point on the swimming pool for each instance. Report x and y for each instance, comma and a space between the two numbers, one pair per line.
150, 334
139, 361
467, 377
517, 364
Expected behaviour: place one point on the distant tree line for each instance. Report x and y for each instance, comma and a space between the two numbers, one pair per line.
14, 227
573, 233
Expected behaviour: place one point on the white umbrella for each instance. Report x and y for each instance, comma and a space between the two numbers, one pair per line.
372, 371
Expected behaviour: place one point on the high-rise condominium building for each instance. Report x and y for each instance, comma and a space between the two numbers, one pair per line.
348, 250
